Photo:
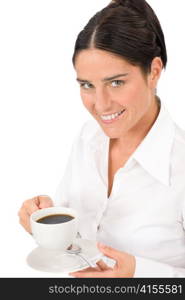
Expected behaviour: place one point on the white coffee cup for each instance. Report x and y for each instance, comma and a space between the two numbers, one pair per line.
54, 236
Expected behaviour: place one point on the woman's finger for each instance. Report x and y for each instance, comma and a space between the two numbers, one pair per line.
110, 252
25, 222
102, 265
45, 201
31, 206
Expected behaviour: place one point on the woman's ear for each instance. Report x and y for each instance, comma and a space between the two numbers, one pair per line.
156, 69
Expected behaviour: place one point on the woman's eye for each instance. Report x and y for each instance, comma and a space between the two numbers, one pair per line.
86, 85
117, 83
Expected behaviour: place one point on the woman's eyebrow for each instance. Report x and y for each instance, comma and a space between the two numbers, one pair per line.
115, 76
105, 79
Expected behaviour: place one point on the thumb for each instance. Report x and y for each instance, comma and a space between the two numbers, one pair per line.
110, 252
45, 201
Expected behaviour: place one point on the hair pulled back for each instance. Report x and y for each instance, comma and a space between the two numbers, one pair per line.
127, 28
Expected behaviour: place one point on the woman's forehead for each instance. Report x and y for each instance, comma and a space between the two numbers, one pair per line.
100, 61
102, 65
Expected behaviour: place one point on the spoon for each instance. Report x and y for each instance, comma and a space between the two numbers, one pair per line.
75, 249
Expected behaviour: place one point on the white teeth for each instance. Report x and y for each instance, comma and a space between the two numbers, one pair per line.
111, 117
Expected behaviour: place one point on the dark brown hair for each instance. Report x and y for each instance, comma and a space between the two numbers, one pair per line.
127, 28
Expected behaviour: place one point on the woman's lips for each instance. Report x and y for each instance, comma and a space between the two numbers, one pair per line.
120, 115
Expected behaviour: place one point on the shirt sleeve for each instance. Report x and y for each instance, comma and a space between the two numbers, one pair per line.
62, 194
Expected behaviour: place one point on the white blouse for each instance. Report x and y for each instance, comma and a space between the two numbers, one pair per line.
145, 212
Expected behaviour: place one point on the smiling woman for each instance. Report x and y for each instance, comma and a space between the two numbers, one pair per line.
125, 173
120, 107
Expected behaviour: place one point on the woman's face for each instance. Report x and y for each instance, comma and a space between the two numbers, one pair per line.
115, 92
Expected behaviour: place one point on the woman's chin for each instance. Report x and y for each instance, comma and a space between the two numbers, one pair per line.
112, 133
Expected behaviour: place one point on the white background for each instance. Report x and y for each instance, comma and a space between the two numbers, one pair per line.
40, 105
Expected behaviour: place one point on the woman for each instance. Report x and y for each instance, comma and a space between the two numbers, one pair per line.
126, 169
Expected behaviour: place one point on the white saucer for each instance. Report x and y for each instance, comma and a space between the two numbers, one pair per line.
59, 261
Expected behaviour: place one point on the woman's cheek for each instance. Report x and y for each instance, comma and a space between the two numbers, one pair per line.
87, 102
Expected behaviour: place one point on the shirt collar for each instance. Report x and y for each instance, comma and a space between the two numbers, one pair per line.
154, 152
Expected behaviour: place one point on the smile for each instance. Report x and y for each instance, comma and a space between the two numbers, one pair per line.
112, 117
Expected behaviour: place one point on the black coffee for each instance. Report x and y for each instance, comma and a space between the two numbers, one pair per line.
55, 219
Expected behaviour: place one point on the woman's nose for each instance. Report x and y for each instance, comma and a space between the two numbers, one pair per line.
102, 101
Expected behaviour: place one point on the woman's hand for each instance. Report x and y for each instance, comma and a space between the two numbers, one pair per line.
124, 266
31, 205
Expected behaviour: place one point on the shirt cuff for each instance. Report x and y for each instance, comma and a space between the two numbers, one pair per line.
149, 268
